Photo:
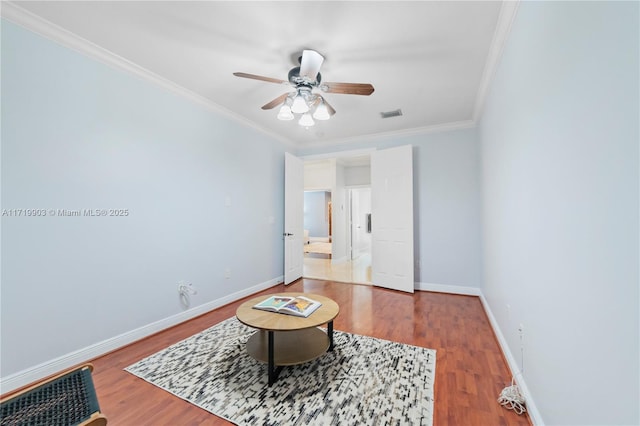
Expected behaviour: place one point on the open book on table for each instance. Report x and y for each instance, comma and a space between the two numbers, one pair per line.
299, 306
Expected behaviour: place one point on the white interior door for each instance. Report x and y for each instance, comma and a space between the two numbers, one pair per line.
392, 218
293, 217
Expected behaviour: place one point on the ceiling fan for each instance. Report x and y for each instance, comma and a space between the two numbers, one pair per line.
303, 100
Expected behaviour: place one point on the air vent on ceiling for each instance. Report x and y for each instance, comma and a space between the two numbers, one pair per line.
389, 114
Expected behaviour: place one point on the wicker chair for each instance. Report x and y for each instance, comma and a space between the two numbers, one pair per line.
66, 399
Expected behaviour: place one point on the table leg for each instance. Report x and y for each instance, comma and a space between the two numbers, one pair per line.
271, 366
272, 370
330, 332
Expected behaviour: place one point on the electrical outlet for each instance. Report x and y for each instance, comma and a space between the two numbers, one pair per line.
227, 273
521, 330
186, 287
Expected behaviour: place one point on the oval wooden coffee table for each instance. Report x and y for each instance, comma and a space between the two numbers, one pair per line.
284, 339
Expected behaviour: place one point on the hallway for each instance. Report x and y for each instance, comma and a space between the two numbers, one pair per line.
353, 271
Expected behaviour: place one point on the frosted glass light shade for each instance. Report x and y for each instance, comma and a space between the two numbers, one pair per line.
306, 120
285, 113
299, 105
321, 113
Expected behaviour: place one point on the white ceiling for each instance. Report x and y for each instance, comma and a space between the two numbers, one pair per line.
432, 59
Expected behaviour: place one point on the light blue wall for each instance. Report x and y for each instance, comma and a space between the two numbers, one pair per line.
316, 219
446, 203
77, 134
560, 177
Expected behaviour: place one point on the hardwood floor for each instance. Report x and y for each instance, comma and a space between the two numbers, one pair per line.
470, 368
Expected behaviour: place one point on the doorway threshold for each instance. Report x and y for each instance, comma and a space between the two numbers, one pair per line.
357, 271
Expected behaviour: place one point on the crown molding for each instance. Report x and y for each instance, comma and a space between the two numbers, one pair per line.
19, 16
416, 131
63, 37
507, 15
341, 154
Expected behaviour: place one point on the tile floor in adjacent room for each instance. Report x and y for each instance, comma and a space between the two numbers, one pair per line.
353, 271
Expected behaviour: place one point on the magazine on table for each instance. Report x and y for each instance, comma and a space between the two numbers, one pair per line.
299, 306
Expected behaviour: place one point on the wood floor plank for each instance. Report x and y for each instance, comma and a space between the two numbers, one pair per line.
470, 368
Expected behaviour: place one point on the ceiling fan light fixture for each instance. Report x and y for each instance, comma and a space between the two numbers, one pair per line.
299, 105
285, 113
321, 112
302, 101
306, 120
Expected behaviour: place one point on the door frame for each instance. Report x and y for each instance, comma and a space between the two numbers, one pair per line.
334, 195
350, 189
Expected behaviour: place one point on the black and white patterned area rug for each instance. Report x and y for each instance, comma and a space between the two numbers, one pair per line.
363, 381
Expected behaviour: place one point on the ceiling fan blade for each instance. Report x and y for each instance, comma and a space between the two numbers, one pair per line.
364, 89
310, 64
277, 101
259, 77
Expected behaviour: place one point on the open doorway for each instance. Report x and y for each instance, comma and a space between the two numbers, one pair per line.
317, 224
337, 210
390, 176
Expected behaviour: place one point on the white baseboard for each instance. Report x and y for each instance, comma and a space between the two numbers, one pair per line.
448, 288
71, 359
534, 414
48, 368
